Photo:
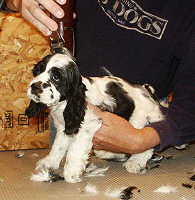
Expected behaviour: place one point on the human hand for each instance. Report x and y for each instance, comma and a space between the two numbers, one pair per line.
34, 13
116, 133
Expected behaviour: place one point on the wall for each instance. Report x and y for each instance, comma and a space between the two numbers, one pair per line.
21, 46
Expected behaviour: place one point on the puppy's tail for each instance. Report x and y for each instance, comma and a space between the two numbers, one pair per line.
106, 71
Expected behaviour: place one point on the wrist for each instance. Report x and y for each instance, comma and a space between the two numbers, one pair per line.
135, 139
149, 138
142, 139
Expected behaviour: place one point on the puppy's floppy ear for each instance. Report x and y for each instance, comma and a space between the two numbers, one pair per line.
34, 109
41, 66
75, 109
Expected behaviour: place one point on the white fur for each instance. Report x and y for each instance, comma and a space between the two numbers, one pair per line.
146, 111
91, 167
77, 147
35, 155
90, 188
79, 150
114, 193
97, 172
137, 162
166, 189
46, 95
42, 175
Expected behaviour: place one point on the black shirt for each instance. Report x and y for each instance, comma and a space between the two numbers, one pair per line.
144, 42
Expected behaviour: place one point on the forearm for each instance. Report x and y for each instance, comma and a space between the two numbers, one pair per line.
139, 140
118, 135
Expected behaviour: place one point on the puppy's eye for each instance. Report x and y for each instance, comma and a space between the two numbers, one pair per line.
55, 75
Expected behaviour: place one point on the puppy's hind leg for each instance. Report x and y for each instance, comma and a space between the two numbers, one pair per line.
137, 162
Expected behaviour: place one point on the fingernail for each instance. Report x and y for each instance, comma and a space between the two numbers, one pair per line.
62, 1
59, 13
47, 32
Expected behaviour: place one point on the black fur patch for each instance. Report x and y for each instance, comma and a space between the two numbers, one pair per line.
34, 109
75, 111
127, 193
72, 90
41, 66
152, 94
57, 77
124, 104
36, 88
46, 85
65, 79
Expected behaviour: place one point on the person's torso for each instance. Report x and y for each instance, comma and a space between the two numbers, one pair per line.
138, 41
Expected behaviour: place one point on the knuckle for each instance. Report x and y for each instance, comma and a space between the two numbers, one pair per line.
94, 139
98, 138
51, 6
35, 11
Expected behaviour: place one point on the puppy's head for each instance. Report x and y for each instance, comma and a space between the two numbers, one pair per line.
56, 78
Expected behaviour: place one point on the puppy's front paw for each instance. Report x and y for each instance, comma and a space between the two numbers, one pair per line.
47, 163
134, 166
72, 176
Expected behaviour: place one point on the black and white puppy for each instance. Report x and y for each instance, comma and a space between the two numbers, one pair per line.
58, 85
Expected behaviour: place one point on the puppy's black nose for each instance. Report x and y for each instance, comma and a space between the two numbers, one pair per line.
36, 87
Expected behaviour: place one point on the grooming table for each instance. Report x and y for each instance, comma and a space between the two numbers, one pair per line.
15, 181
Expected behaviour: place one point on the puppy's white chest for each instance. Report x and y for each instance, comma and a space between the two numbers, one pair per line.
57, 114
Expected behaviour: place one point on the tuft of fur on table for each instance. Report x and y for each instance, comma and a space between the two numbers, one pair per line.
21, 46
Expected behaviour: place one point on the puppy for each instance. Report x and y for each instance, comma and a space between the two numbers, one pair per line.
59, 86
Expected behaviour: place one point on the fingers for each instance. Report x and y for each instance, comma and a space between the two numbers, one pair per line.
96, 110
98, 141
38, 14
44, 29
32, 12
97, 147
52, 7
